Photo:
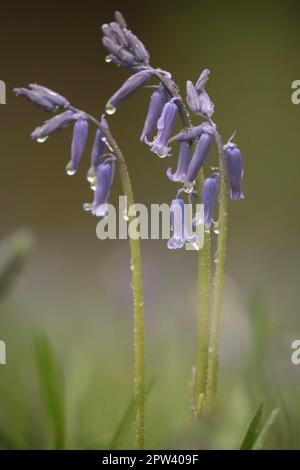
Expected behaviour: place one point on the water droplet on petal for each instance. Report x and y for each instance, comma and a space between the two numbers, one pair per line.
41, 140
91, 175
188, 187
216, 228
69, 169
108, 59
87, 206
110, 109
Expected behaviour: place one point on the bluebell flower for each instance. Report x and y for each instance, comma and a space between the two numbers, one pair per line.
124, 47
177, 239
57, 100
79, 140
234, 168
191, 133
54, 124
200, 153
131, 85
182, 164
210, 193
165, 126
199, 101
157, 102
202, 80
104, 179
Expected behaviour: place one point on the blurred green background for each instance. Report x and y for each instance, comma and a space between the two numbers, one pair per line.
77, 288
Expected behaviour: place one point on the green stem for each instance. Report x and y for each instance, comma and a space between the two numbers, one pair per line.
204, 276
214, 344
138, 302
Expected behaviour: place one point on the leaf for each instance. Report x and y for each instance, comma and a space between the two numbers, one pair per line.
13, 253
253, 430
126, 420
52, 388
261, 438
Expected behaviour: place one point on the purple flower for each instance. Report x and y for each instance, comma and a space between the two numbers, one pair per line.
202, 80
210, 193
191, 133
80, 135
128, 88
120, 19
57, 100
157, 102
54, 124
124, 47
198, 100
165, 126
104, 180
97, 150
182, 164
200, 153
177, 239
43, 97
234, 167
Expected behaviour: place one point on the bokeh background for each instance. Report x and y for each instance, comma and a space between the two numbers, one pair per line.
76, 289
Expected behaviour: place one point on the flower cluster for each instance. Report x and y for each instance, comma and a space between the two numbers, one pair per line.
126, 49
102, 161
194, 141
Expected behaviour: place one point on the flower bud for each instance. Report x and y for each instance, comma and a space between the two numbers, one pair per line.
200, 154
234, 168
157, 102
128, 88
165, 126
182, 165
210, 193
80, 135
54, 124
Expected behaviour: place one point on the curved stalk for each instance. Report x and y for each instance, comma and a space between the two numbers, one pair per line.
137, 289
214, 343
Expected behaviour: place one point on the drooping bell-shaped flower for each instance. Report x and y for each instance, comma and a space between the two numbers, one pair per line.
79, 140
53, 125
210, 193
55, 98
129, 87
104, 179
183, 163
234, 168
43, 97
157, 102
177, 239
165, 126
200, 153
190, 133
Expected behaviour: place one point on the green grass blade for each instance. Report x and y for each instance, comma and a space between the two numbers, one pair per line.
253, 430
13, 253
261, 438
52, 389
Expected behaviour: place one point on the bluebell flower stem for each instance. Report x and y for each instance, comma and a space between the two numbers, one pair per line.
138, 302
204, 288
214, 343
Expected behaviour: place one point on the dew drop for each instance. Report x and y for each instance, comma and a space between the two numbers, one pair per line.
108, 59
216, 228
69, 169
110, 109
91, 175
41, 140
188, 187
87, 207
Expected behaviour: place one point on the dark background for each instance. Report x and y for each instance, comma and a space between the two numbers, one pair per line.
78, 287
